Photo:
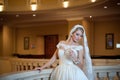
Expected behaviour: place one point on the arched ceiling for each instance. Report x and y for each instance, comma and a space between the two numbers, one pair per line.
18, 11
24, 5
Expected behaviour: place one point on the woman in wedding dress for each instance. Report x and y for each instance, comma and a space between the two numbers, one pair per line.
74, 59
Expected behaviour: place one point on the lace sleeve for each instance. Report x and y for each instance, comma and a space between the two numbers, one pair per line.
58, 45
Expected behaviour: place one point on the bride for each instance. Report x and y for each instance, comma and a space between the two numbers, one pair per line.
74, 59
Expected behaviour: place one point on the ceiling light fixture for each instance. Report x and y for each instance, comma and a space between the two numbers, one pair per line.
90, 16
17, 15
33, 4
1, 8
1, 5
118, 4
105, 7
93, 0
34, 15
65, 3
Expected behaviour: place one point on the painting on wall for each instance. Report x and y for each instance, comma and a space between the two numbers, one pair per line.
26, 43
109, 40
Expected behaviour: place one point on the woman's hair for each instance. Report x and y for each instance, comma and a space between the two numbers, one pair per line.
74, 29
78, 28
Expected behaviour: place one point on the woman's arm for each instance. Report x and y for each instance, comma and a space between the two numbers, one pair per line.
51, 61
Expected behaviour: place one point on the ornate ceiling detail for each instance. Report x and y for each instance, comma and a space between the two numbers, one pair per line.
18, 11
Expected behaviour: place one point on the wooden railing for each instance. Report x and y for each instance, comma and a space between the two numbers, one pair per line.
101, 73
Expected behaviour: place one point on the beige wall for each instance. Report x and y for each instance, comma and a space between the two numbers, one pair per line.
89, 33
71, 23
36, 35
1, 41
7, 40
5, 66
101, 28
11, 39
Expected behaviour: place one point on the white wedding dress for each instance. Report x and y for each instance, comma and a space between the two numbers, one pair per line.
67, 70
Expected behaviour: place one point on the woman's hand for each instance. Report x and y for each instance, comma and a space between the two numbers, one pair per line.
73, 56
70, 54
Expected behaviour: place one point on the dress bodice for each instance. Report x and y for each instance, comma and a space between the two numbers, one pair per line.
62, 48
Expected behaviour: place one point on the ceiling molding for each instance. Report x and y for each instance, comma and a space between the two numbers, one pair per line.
72, 13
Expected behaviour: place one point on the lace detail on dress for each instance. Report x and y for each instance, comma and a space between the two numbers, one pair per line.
64, 46
67, 50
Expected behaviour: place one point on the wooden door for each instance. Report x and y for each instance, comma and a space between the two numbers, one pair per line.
50, 45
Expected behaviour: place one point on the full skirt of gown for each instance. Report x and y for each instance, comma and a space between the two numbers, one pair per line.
68, 72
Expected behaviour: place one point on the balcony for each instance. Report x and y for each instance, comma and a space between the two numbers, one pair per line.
23, 69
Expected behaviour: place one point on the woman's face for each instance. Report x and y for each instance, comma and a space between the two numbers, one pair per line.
77, 35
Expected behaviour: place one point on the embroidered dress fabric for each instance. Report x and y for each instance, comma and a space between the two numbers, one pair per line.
67, 70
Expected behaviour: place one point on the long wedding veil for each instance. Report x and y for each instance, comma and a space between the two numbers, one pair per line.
88, 69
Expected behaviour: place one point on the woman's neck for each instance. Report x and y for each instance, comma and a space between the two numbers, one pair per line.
71, 42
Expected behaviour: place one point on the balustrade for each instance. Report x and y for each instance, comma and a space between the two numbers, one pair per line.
101, 73
107, 72
30, 64
23, 69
